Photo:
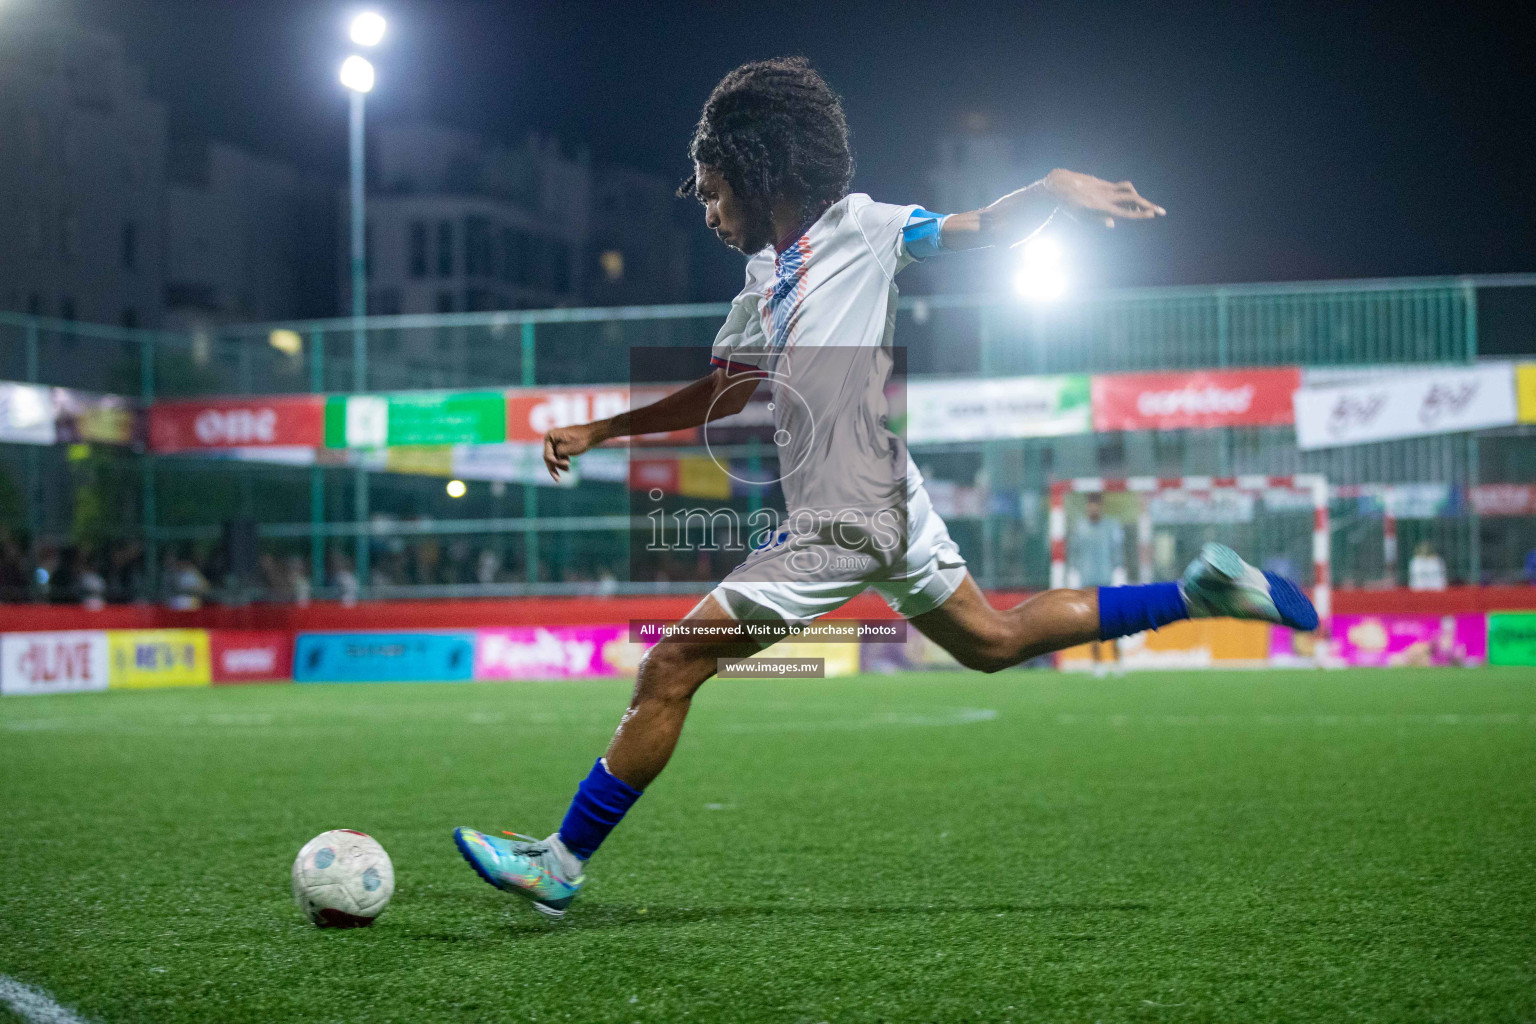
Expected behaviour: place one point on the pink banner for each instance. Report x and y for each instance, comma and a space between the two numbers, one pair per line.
555, 652
1422, 640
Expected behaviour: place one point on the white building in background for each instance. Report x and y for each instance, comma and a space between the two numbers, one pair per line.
82, 167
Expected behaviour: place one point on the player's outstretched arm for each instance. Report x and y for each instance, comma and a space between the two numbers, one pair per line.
708, 398
1019, 214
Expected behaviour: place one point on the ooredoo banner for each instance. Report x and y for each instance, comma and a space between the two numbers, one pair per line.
1390, 641
557, 652
250, 422
1416, 404
251, 655
145, 658
1206, 398
63, 662
383, 657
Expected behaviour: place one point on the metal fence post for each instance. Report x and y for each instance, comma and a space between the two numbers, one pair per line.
147, 478
1474, 521
33, 498
316, 474
530, 491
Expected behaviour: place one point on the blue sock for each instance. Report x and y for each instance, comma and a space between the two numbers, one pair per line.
1127, 610
600, 803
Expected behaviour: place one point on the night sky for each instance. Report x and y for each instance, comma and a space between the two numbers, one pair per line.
1287, 141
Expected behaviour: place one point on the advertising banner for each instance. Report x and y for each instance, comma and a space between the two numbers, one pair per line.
1503, 499
533, 412
1512, 638
383, 657
251, 655
146, 658
1525, 392
1193, 643
556, 652
251, 422
415, 418
27, 415
975, 410
1381, 641
64, 662
1205, 398
1406, 405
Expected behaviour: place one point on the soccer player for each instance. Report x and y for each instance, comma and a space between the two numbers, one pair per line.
1097, 559
814, 321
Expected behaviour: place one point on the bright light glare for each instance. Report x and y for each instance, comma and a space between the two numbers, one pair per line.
1042, 275
456, 488
357, 74
367, 28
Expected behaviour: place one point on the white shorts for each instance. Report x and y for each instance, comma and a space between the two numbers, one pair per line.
935, 569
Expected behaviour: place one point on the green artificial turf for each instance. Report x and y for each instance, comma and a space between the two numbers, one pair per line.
1204, 846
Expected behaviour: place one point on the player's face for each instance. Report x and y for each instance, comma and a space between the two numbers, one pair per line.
1095, 510
725, 214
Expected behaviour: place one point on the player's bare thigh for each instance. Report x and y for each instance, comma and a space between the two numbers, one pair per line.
988, 639
679, 665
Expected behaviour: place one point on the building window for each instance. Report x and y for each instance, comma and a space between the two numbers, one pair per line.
67, 308
445, 302
34, 304
130, 245
612, 262
477, 247
418, 248
384, 302
130, 317
445, 248
516, 257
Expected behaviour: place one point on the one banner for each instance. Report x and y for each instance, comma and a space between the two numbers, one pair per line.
1406, 405
555, 652
1205, 398
1381, 641
1525, 392
62, 662
253, 422
86, 418
1008, 407
383, 657
251, 655
1503, 499
1512, 638
1193, 643
415, 418
27, 414
144, 658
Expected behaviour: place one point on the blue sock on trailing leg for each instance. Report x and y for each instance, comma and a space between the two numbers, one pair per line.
600, 803
1127, 610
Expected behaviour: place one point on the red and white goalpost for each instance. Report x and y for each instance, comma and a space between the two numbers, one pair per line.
1308, 483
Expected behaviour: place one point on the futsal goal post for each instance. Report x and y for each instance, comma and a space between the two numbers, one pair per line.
1276, 522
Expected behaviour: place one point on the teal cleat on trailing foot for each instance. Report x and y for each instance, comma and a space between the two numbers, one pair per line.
539, 869
1219, 584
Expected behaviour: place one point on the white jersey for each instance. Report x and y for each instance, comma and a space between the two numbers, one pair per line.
817, 320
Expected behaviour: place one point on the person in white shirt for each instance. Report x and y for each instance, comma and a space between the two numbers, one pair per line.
1426, 570
1096, 558
815, 322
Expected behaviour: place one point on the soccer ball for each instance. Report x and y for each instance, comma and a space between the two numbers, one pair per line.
342, 879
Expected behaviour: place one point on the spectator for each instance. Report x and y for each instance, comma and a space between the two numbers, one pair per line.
487, 567
1426, 570
1097, 559
183, 584
91, 585
298, 580
344, 578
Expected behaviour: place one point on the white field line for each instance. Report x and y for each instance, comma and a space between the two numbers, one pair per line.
34, 1005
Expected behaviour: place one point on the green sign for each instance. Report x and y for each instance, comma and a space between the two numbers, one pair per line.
1512, 638
415, 418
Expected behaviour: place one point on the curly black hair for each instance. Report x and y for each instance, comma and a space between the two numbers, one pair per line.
775, 130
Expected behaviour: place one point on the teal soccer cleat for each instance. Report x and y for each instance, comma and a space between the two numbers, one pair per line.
539, 869
1219, 584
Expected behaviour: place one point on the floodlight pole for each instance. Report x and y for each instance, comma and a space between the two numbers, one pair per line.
359, 334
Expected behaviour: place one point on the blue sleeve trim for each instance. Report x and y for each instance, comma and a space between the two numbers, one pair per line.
923, 236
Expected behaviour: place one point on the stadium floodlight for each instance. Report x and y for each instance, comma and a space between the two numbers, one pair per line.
367, 28
357, 74
1042, 275
456, 488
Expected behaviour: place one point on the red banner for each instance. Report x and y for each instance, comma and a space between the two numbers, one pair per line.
251, 655
1504, 499
249, 422
1203, 398
532, 412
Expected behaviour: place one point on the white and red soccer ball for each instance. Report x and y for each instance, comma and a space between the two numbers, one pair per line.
342, 879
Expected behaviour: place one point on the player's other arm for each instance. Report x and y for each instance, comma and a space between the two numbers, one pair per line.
1019, 214
708, 398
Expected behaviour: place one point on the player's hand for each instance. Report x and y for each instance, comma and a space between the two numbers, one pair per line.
562, 443
1085, 197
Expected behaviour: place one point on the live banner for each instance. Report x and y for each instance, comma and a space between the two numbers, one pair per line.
1412, 404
